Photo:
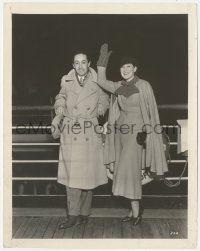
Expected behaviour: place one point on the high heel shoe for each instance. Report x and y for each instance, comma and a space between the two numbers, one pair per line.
127, 218
137, 220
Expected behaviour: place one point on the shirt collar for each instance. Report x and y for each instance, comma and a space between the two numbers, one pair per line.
84, 77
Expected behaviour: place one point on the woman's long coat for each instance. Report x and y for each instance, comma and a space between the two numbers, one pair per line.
153, 155
81, 151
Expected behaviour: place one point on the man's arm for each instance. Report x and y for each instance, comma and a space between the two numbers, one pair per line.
60, 99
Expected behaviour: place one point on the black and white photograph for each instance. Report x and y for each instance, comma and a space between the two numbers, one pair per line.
99, 106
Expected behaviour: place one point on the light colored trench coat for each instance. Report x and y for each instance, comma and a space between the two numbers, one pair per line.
81, 150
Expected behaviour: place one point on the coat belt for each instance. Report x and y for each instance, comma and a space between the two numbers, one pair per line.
76, 118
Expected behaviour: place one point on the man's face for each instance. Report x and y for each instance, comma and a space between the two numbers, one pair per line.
81, 64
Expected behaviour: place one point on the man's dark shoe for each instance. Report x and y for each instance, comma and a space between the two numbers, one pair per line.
72, 221
83, 219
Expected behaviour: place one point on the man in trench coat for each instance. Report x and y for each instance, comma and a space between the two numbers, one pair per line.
81, 168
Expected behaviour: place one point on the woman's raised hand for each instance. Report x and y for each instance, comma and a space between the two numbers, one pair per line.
104, 56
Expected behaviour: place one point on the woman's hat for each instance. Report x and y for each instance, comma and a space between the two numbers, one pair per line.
128, 60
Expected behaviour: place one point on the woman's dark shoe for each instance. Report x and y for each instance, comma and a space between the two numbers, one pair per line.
127, 218
137, 220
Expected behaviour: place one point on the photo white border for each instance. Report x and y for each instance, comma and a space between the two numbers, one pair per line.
106, 8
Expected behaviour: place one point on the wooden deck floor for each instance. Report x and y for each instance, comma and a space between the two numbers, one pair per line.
46, 227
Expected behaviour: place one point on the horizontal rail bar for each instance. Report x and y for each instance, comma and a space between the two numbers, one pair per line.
53, 195
34, 178
32, 127
173, 106
156, 195
50, 107
32, 108
170, 126
36, 144
177, 161
56, 161
55, 144
173, 143
30, 115
55, 178
35, 161
176, 178
96, 195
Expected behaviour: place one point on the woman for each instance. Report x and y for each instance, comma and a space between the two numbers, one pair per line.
134, 139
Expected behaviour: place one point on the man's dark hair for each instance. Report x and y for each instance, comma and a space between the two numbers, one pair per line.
84, 52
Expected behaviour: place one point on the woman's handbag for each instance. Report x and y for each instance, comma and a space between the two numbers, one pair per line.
145, 175
141, 138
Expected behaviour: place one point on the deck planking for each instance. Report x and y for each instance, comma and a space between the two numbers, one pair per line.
46, 227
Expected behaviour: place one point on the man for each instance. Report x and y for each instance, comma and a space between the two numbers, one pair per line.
81, 166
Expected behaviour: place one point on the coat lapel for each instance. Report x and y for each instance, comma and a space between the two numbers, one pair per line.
73, 94
88, 90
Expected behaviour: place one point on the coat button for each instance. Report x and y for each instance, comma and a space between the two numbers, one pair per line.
75, 107
87, 139
88, 108
75, 138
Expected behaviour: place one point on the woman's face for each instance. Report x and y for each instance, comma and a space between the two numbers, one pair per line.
127, 71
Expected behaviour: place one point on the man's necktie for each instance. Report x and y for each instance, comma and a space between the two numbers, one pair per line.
81, 81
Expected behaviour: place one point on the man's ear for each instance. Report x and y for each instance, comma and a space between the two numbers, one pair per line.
73, 66
135, 68
89, 64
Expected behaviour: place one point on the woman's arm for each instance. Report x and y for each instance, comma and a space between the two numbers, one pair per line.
103, 102
101, 70
104, 83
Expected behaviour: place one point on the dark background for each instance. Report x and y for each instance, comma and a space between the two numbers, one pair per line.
43, 47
